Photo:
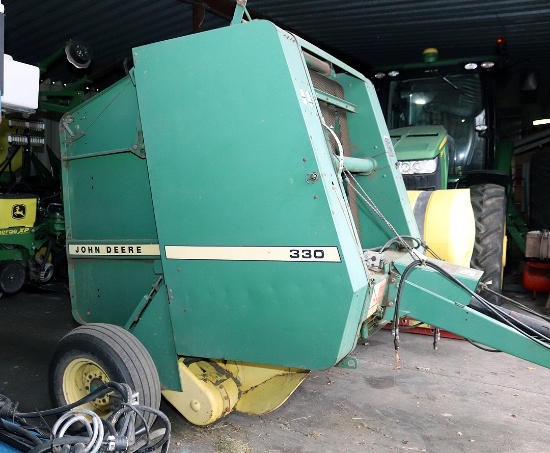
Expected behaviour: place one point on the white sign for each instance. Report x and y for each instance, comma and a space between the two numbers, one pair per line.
298, 253
87, 250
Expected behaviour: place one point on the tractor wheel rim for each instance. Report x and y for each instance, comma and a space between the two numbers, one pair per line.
48, 273
81, 377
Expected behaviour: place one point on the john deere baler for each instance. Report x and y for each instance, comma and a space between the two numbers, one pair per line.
234, 204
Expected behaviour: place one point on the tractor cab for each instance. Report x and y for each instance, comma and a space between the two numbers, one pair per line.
419, 100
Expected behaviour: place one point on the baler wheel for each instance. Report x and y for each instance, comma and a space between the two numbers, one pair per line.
489, 205
93, 354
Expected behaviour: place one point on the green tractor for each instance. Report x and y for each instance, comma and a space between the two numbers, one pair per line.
442, 122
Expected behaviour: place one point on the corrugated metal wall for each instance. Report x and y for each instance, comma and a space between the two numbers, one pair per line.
364, 33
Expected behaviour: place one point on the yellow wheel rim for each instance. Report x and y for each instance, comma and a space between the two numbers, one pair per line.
81, 377
41, 253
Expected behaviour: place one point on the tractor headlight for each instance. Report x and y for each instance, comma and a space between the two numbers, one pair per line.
418, 167
405, 167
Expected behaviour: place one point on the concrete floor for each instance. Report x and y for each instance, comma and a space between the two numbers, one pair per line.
455, 399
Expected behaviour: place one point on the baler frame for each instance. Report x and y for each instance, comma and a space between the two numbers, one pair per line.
232, 304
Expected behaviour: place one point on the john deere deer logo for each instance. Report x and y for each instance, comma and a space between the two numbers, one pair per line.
18, 211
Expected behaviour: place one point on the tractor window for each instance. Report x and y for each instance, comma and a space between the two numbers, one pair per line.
453, 101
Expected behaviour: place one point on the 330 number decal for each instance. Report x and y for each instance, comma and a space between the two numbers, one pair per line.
307, 254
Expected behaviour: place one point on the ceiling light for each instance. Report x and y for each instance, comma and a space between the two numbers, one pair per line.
379, 75
470, 66
393, 73
487, 64
541, 122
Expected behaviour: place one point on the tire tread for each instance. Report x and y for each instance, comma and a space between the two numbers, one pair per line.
489, 206
133, 356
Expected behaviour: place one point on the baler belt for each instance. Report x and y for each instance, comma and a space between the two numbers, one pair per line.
336, 119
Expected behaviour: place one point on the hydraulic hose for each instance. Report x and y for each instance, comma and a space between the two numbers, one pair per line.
60, 441
102, 390
536, 324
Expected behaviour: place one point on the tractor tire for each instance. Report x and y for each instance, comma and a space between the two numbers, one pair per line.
93, 354
489, 205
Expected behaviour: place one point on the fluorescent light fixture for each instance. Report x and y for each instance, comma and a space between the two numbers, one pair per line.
541, 122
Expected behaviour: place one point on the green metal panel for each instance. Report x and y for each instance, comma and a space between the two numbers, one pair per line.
105, 179
27, 240
370, 138
111, 191
431, 298
515, 225
437, 283
108, 290
105, 124
231, 139
109, 212
423, 142
107, 201
418, 142
154, 329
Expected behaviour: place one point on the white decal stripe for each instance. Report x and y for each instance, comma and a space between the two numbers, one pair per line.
87, 250
299, 253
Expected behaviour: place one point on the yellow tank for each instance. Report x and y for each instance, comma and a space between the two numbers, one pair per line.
446, 222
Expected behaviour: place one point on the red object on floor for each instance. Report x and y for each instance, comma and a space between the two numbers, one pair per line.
536, 277
422, 329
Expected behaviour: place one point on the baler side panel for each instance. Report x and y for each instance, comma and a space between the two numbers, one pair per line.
112, 199
107, 122
338, 202
110, 221
106, 185
370, 138
230, 144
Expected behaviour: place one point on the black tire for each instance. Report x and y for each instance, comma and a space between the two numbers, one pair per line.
94, 353
13, 276
539, 195
489, 205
